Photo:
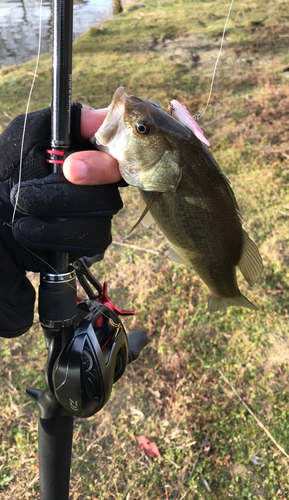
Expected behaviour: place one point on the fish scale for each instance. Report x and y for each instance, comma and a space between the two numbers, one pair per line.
203, 246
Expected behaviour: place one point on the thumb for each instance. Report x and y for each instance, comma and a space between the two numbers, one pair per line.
91, 167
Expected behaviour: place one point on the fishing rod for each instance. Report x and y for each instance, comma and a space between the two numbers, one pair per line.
88, 348
57, 291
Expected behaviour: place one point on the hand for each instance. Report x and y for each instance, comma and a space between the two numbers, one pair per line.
52, 214
91, 167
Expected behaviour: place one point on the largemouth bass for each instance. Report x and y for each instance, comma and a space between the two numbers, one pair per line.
186, 194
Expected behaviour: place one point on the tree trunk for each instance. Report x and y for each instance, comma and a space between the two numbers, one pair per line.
117, 7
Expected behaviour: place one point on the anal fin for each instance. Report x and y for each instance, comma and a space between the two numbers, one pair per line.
174, 256
250, 264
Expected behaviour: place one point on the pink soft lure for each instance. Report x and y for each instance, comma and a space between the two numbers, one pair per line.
180, 113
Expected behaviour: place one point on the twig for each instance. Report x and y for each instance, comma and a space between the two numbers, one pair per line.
276, 150
165, 486
174, 463
205, 483
135, 247
196, 462
7, 116
216, 119
253, 415
11, 387
33, 482
184, 496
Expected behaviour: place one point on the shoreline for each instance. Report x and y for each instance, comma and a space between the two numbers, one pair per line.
85, 16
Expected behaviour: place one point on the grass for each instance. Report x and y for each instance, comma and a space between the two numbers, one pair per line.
173, 393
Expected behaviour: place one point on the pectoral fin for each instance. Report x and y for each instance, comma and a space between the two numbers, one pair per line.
147, 219
153, 198
250, 263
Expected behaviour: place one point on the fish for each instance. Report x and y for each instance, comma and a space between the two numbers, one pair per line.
185, 192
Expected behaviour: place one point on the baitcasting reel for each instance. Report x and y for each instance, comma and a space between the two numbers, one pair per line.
98, 352
91, 362
83, 364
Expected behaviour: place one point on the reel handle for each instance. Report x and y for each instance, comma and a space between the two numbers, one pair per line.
136, 342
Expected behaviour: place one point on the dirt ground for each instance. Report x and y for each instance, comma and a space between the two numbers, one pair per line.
200, 53
270, 109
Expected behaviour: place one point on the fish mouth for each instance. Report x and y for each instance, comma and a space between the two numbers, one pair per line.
109, 128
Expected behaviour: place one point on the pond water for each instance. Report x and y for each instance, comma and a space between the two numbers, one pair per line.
19, 26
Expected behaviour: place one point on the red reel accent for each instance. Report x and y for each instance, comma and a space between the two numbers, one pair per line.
105, 300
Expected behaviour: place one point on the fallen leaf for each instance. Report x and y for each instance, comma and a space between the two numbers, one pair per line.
239, 470
150, 449
156, 394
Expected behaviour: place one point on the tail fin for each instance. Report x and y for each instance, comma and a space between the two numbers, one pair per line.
219, 303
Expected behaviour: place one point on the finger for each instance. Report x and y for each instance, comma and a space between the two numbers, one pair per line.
91, 119
91, 167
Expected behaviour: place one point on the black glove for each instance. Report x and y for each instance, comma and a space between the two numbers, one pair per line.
52, 214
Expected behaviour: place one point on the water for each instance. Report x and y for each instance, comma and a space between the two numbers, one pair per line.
19, 26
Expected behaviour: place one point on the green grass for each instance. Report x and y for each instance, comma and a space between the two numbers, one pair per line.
174, 393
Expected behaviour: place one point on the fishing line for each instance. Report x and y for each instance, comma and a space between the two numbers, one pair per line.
26, 112
57, 273
218, 57
43, 260
32, 87
24, 131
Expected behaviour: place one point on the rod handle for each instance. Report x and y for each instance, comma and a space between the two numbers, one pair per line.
55, 445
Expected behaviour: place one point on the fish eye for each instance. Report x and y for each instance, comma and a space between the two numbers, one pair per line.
142, 128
